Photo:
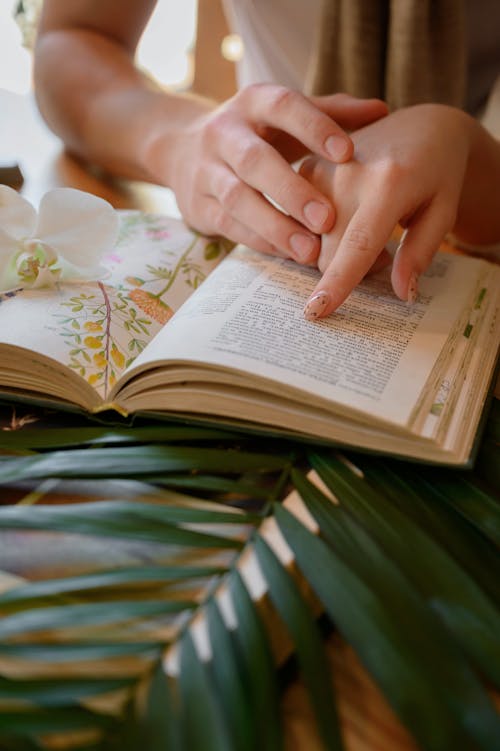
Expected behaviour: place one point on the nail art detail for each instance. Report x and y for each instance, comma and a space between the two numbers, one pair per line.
316, 305
412, 288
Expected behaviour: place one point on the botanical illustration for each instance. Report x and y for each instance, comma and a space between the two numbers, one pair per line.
155, 265
104, 333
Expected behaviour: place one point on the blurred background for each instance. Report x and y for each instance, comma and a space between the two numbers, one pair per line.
186, 45
165, 50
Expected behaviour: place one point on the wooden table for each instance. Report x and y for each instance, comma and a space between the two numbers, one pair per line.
44, 163
369, 724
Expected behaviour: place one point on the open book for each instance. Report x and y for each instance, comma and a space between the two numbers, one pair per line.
379, 374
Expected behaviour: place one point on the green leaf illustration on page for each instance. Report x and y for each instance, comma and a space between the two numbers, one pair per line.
100, 334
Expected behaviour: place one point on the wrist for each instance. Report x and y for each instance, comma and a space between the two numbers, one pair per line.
162, 146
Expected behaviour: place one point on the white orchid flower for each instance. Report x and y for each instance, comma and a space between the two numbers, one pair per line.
64, 241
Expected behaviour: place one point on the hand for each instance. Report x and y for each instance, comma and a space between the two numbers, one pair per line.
228, 162
408, 169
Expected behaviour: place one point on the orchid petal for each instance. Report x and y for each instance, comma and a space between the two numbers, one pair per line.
8, 246
9, 278
17, 216
77, 225
71, 273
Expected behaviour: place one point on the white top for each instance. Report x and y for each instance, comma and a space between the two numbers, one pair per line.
278, 36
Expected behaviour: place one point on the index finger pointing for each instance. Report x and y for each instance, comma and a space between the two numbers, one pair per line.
362, 242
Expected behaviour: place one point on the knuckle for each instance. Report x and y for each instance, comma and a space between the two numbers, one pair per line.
280, 98
230, 193
221, 222
318, 126
289, 194
216, 124
358, 240
391, 174
250, 91
247, 157
246, 93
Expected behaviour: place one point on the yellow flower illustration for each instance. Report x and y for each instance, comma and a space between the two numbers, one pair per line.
100, 360
92, 342
92, 379
134, 280
151, 305
117, 356
92, 326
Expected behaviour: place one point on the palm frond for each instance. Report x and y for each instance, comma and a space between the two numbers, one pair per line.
137, 616
447, 588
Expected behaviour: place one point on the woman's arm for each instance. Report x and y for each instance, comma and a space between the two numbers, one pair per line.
221, 161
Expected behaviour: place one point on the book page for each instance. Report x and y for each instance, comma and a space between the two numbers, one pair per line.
97, 329
371, 357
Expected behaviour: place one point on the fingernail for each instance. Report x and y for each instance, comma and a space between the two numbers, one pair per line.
412, 288
302, 246
336, 147
316, 305
316, 213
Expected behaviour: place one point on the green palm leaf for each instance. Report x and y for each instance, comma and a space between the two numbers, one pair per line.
202, 718
91, 615
230, 680
152, 629
468, 613
46, 693
417, 495
259, 667
32, 724
134, 461
301, 626
126, 519
158, 729
394, 637
58, 438
124, 578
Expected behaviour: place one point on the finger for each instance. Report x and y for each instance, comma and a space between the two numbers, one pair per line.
350, 112
259, 165
293, 113
223, 224
251, 209
362, 242
419, 244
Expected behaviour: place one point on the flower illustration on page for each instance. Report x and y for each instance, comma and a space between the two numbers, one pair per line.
64, 241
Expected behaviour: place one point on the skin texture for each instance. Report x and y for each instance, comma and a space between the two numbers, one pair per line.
431, 169
220, 160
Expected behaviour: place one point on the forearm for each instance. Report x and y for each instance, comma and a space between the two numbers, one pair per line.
103, 108
478, 216
222, 162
